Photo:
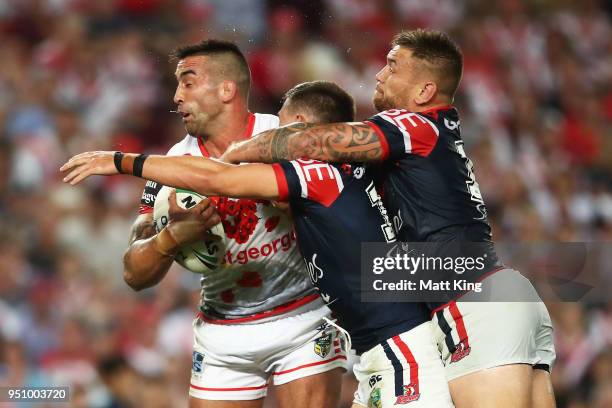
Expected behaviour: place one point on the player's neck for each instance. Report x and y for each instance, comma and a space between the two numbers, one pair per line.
229, 127
438, 103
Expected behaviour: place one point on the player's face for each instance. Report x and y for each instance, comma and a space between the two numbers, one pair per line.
197, 94
397, 82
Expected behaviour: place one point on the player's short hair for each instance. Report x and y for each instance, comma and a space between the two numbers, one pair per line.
327, 101
441, 53
233, 64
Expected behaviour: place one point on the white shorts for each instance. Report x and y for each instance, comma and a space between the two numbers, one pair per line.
236, 362
473, 336
404, 369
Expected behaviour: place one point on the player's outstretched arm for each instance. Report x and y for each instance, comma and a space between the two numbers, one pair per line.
149, 255
336, 142
203, 175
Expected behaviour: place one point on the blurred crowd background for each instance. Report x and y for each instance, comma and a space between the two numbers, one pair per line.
77, 75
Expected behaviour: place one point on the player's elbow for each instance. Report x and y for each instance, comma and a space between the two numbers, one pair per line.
129, 275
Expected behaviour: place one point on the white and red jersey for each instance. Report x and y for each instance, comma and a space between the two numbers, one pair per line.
262, 273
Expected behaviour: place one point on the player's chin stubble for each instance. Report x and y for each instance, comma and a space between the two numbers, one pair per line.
380, 103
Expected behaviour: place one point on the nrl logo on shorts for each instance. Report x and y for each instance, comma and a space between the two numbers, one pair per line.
197, 362
374, 379
461, 351
375, 401
322, 345
410, 394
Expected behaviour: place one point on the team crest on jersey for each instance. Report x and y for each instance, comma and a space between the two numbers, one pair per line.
461, 351
197, 363
410, 394
375, 401
322, 345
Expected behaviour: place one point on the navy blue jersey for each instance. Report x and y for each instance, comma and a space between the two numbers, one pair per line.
336, 208
429, 186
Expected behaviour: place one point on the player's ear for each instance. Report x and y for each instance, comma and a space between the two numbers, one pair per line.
427, 93
300, 118
227, 91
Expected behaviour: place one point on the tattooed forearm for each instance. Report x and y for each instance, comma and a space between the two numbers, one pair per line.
279, 145
339, 142
356, 143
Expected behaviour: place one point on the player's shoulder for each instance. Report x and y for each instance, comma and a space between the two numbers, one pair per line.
435, 120
182, 147
263, 122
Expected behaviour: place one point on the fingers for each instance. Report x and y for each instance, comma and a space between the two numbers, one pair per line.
211, 216
202, 205
77, 175
172, 205
80, 176
73, 162
99, 161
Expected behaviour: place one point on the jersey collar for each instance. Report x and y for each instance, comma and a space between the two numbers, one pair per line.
248, 132
434, 111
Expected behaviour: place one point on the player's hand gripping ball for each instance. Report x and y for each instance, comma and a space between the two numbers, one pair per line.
199, 257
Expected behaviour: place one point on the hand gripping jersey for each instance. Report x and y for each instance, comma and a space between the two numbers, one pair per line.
262, 270
336, 208
428, 184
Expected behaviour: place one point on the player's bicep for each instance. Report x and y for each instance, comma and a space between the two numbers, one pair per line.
246, 181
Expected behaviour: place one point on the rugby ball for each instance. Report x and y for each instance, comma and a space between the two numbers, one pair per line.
198, 257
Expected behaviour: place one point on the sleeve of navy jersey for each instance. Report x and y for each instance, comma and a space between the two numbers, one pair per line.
147, 200
308, 179
402, 132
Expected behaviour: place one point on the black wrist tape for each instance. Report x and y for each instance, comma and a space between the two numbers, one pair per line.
117, 159
138, 164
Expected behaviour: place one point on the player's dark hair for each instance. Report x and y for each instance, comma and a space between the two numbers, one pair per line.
234, 64
327, 101
440, 51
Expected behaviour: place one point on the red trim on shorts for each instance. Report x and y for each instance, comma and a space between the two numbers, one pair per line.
287, 307
483, 277
458, 317
412, 363
340, 357
229, 389
383, 140
281, 181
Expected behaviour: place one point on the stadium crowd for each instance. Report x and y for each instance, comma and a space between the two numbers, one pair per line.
75, 75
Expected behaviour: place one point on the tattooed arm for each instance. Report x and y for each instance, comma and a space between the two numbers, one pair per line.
336, 142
